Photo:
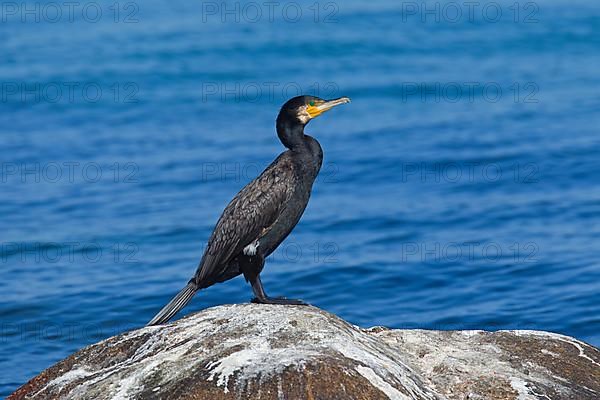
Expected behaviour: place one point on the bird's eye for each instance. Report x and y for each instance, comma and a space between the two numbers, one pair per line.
312, 103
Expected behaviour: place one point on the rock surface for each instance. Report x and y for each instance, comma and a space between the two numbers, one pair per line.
250, 351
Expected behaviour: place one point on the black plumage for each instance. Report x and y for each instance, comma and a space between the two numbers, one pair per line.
264, 212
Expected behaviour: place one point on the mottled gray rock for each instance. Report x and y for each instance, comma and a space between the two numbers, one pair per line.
251, 351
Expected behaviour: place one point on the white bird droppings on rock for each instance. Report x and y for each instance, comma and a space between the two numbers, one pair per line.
270, 352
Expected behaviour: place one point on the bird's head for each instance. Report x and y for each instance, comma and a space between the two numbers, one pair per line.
300, 110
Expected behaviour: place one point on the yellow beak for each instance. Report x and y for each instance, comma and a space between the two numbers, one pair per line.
320, 107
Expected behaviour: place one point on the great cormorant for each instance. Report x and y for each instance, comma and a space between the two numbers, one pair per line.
264, 212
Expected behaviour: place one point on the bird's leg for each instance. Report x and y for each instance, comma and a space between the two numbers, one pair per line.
251, 266
262, 298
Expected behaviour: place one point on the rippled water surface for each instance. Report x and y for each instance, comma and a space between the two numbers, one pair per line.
459, 190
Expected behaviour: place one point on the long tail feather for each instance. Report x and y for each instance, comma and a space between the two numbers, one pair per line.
178, 302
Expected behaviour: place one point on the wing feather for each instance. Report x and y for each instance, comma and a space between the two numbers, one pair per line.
252, 211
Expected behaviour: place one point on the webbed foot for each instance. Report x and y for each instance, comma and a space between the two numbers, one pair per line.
278, 300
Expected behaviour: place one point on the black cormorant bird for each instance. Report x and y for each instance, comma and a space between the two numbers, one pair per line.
264, 212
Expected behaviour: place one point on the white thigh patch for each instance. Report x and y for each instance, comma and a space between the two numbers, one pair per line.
252, 248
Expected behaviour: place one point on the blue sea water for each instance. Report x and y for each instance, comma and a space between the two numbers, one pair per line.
459, 189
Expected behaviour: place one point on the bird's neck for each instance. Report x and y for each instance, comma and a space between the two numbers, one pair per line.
291, 134
305, 148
